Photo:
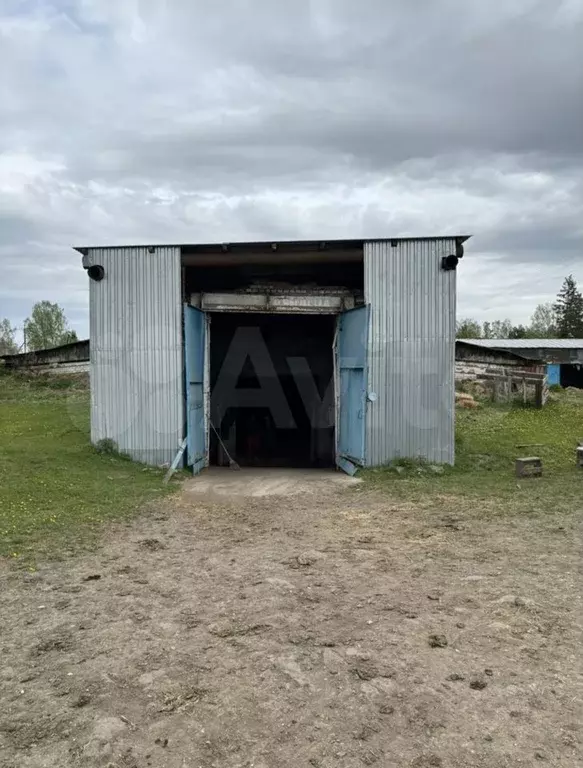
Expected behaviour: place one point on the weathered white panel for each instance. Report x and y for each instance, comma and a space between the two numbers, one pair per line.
411, 350
300, 303
136, 351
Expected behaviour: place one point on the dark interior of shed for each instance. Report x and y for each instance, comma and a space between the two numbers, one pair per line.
272, 399
238, 267
572, 376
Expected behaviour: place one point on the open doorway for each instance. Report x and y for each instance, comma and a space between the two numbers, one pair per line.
572, 376
272, 389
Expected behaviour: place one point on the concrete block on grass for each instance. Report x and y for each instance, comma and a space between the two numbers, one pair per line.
530, 466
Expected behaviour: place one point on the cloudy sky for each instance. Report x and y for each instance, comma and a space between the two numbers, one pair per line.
126, 121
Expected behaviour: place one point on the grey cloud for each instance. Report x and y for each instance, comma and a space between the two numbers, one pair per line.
529, 238
498, 81
365, 88
16, 228
268, 119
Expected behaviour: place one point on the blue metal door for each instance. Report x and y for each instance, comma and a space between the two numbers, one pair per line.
553, 374
351, 352
194, 365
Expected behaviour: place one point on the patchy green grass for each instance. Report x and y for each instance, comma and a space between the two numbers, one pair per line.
488, 441
56, 490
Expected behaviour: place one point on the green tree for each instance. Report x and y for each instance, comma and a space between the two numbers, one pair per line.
499, 329
543, 323
468, 329
518, 332
8, 345
569, 310
69, 337
46, 327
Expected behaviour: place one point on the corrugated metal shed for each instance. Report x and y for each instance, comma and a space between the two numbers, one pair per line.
136, 351
137, 356
411, 350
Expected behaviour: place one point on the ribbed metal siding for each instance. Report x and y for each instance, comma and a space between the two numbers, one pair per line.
136, 351
411, 354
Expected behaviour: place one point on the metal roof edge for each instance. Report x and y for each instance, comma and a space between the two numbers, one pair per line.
526, 343
505, 353
31, 353
83, 249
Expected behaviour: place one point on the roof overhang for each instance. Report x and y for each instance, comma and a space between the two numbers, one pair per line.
476, 353
283, 246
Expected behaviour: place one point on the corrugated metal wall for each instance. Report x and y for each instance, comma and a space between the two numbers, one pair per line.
136, 351
411, 351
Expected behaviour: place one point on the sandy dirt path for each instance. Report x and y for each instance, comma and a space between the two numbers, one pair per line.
298, 623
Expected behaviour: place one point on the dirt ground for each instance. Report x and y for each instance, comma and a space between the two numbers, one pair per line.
298, 624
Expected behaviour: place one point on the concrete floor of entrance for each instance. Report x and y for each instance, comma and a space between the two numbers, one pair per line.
260, 482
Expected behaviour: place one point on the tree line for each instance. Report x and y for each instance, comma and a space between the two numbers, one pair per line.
46, 327
562, 319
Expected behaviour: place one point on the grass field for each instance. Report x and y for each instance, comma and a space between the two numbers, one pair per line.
488, 440
55, 489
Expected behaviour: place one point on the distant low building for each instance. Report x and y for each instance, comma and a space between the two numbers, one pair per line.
563, 357
67, 358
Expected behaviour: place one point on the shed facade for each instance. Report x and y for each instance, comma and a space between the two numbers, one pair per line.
375, 319
563, 357
411, 350
136, 358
